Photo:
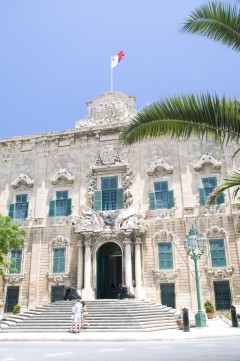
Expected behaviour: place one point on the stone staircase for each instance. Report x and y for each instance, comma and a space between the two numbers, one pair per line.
104, 315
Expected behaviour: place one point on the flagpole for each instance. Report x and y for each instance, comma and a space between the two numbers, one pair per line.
111, 76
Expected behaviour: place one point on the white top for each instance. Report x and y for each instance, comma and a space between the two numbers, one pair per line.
78, 309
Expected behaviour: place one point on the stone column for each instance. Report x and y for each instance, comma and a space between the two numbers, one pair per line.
80, 268
87, 292
139, 291
128, 263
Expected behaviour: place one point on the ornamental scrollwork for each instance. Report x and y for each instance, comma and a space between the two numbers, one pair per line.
207, 164
216, 232
159, 168
22, 182
164, 276
62, 178
220, 273
108, 109
57, 279
59, 241
14, 279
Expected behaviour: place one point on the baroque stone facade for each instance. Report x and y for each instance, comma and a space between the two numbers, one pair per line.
100, 248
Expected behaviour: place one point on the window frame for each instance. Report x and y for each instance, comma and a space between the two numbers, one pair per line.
219, 265
58, 260
11, 268
164, 243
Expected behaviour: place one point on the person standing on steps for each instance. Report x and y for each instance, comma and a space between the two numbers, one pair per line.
73, 317
84, 315
78, 316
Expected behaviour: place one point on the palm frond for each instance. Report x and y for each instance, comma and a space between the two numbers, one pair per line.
232, 181
199, 115
216, 21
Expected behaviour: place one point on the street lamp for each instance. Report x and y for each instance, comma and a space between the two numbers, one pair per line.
195, 245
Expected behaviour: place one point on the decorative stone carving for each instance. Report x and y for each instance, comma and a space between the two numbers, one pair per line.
117, 159
132, 222
207, 164
62, 178
89, 220
22, 182
22, 223
114, 221
128, 197
59, 241
14, 279
58, 279
220, 273
110, 155
164, 276
108, 109
216, 232
213, 210
161, 213
164, 235
159, 168
59, 221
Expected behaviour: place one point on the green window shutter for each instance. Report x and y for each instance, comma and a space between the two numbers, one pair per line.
97, 203
69, 207
26, 210
165, 258
59, 260
16, 261
120, 199
52, 209
218, 256
113, 183
171, 202
220, 199
11, 210
152, 200
201, 196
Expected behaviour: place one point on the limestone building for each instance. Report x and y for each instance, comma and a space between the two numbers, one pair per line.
99, 214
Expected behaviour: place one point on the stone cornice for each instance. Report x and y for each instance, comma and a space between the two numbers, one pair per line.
52, 135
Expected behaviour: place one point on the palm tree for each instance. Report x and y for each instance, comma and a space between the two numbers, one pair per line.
200, 115
216, 21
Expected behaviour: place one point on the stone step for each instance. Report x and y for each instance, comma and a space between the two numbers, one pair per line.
103, 315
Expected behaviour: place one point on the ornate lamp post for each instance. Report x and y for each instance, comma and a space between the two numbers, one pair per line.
195, 245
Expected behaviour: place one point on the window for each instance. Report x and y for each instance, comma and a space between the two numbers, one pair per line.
110, 197
161, 197
109, 193
217, 252
16, 261
61, 206
19, 209
208, 186
165, 258
58, 260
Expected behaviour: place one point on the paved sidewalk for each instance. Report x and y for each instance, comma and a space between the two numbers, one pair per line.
215, 328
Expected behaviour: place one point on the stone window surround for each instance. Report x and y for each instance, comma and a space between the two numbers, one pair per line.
164, 236
18, 192
23, 248
56, 189
59, 242
216, 232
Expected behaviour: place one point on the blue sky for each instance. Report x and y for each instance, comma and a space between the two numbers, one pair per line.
55, 56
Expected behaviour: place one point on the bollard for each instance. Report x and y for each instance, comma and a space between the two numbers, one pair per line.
234, 316
186, 327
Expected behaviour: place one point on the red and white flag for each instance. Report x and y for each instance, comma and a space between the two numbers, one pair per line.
116, 59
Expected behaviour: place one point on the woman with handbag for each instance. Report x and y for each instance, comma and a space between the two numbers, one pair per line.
84, 315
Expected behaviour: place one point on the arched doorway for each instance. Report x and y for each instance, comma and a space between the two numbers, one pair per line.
109, 270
